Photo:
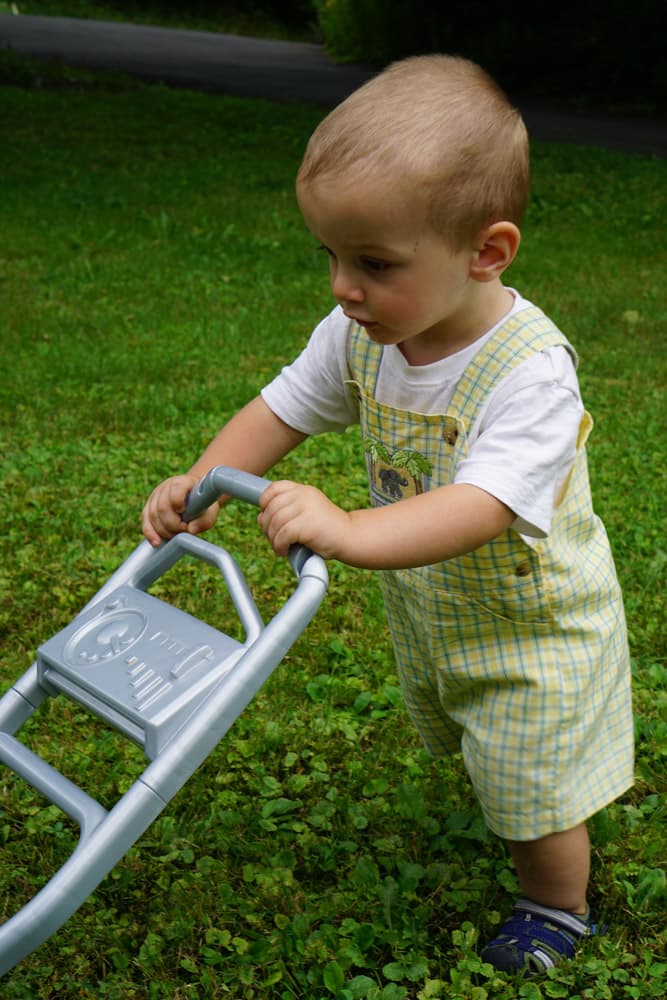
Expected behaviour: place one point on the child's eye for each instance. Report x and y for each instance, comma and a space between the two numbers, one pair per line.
326, 250
373, 264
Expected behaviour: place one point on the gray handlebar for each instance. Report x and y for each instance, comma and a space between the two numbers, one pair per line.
223, 479
242, 486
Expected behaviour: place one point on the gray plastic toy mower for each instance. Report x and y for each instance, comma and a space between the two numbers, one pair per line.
166, 680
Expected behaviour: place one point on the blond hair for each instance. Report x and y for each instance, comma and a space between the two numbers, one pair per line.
443, 126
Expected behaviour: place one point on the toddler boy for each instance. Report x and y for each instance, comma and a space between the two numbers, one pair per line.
502, 599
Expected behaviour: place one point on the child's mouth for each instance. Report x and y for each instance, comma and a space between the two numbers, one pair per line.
367, 324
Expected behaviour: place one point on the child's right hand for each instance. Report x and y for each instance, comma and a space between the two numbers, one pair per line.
161, 516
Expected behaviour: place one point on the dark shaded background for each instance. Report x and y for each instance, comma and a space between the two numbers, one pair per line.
609, 54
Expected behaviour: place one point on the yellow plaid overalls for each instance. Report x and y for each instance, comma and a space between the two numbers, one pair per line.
515, 653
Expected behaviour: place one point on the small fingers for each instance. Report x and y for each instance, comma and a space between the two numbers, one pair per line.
204, 521
161, 517
291, 514
278, 512
277, 489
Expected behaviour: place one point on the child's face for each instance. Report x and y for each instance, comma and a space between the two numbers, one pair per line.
388, 269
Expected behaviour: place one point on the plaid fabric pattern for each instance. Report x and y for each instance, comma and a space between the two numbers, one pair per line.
515, 654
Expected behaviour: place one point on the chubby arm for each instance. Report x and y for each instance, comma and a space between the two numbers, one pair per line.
438, 525
253, 440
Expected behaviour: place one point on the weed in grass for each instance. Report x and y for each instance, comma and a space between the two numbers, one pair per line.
154, 274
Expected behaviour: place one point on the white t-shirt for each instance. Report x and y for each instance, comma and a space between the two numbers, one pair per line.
521, 447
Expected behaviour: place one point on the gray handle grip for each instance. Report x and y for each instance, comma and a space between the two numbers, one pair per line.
223, 479
242, 486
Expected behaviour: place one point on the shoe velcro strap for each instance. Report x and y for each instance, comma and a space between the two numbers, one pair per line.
561, 918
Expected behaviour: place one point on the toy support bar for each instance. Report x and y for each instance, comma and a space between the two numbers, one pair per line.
168, 681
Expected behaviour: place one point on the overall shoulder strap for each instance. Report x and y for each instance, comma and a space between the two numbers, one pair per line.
523, 334
363, 359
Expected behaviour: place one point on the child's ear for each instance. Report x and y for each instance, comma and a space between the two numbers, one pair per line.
495, 249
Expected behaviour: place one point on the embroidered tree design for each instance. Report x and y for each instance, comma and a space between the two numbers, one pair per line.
376, 451
415, 464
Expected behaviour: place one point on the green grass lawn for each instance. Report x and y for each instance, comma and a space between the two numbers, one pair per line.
154, 274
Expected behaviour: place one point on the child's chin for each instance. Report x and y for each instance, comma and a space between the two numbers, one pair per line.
380, 333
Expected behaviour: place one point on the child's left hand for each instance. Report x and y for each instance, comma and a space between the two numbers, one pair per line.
293, 513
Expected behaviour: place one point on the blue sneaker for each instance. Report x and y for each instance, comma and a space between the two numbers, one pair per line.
536, 938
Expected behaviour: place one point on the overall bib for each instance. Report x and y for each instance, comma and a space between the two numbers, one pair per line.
516, 653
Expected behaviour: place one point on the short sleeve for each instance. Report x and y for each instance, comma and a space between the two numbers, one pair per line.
526, 441
311, 394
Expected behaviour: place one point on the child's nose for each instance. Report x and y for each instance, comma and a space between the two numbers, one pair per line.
345, 287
